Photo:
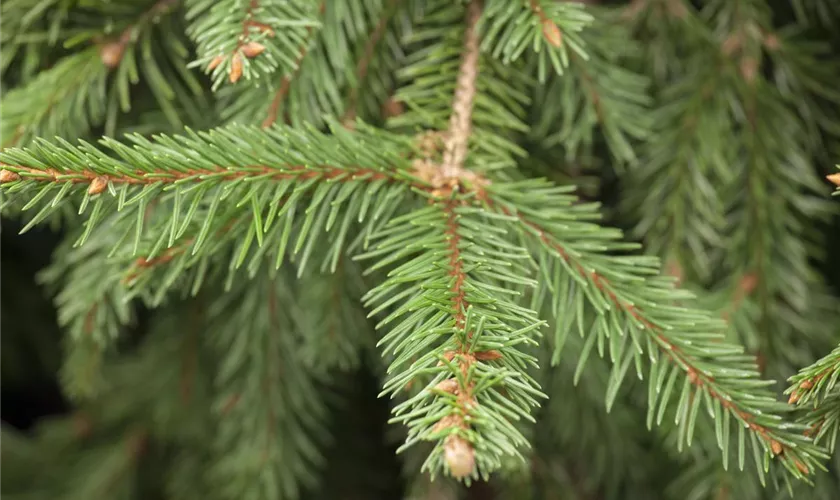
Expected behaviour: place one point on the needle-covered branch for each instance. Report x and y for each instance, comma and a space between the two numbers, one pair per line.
456, 334
249, 38
637, 313
600, 98
432, 71
551, 29
815, 389
317, 87
92, 87
269, 409
259, 168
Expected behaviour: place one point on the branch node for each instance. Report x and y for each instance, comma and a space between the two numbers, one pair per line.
8, 176
459, 455
97, 185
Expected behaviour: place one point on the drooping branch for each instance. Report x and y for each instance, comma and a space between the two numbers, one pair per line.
775, 438
458, 452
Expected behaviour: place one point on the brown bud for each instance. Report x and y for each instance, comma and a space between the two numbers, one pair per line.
111, 54
448, 385
748, 283
82, 425
692, 376
794, 397
806, 384
252, 49
749, 69
776, 447
452, 420
771, 41
552, 33
835, 178
97, 185
802, 467
392, 107
459, 455
731, 44
8, 176
216, 62
488, 355
448, 355
235, 68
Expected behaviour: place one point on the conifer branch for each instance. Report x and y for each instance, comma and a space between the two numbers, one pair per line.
59, 96
690, 347
91, 87
815, 391
111, 50
816, 380
459, 453
248, 38
274, 421
549, 29
199, 170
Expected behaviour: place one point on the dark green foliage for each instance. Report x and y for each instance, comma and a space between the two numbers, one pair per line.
360, 187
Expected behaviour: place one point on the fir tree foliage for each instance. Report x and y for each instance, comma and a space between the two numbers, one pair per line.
230, 35
482, 283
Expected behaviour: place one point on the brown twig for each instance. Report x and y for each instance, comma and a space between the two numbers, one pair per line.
141, 177
458, 452
460, 122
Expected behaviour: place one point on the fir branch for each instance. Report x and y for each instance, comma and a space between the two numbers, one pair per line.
71, 99
816, 381
196, 168
598, 91
315, 92
92, 309
689, 339
815, 390
248, 38
430, 76
765, 204
479, 385
89, 88
24, 25
550, 29
680, 213
336, 337
457, 340
267, 440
